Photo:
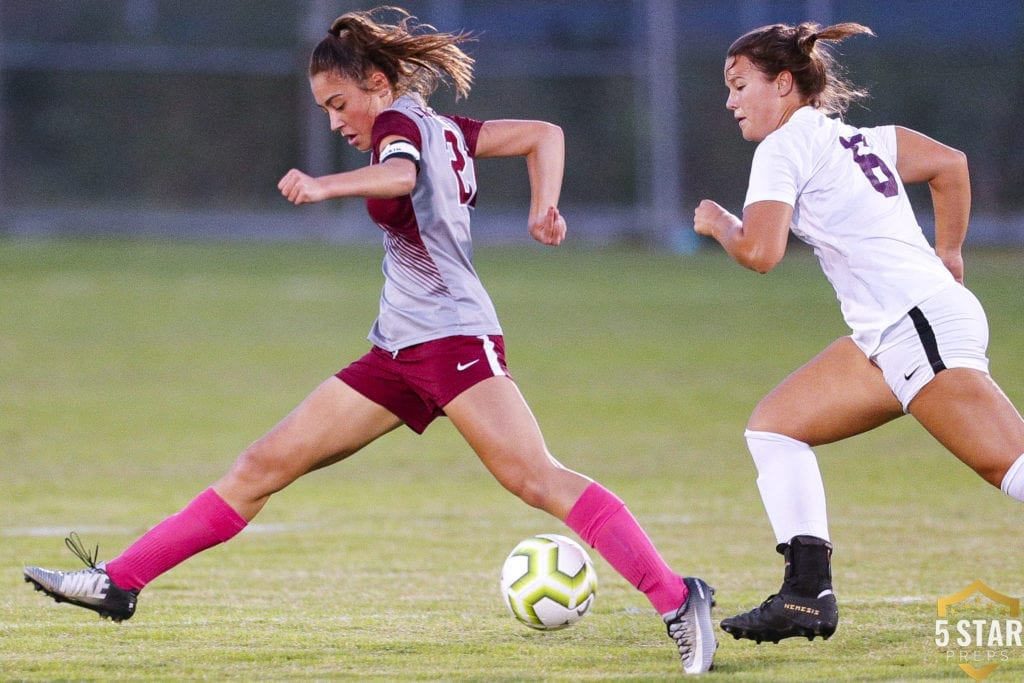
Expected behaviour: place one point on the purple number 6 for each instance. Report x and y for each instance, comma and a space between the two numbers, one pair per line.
868, 163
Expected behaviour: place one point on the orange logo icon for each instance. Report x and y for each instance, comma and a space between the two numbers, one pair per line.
977, 627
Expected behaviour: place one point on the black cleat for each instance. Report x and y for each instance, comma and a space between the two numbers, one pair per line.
90, 588
786, 616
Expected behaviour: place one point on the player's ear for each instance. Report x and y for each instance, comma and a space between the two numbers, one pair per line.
377, 81
784, 82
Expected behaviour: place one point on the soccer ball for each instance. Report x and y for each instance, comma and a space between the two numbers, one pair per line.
548, 582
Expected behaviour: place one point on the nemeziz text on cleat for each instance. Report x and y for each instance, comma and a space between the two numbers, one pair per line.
90, 588
786, 616
691, 628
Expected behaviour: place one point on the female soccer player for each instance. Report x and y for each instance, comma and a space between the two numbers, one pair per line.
919, 338
437, 345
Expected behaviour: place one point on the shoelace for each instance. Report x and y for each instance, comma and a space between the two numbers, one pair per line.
678, 631
74, 544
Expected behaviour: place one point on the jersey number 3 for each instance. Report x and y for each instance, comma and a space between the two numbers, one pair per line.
872, 166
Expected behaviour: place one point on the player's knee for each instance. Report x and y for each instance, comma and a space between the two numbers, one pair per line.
530, 491
531, 488
762, 419
261, 471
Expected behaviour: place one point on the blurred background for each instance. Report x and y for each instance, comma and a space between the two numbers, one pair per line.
176, 118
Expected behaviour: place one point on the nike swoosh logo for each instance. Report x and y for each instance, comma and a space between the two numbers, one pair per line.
905, 376
462, 366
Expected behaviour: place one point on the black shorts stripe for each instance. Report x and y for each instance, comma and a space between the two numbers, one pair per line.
931, 347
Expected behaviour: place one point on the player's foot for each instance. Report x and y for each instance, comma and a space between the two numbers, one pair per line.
691, 628
786, 616
90, 588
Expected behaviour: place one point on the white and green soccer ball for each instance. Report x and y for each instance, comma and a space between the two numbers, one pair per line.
548, 582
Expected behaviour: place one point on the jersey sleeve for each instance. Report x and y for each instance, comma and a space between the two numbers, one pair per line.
391, 122
883, 138
774, 174
470, 130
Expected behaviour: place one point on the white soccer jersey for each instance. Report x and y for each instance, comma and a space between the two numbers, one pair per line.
431, 289
850, 206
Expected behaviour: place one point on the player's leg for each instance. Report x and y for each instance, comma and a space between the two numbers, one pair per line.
946, 386
333, 422
967, 412
330, 424
498, 424
837, 394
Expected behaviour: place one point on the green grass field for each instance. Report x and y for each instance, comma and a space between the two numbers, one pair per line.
131, 373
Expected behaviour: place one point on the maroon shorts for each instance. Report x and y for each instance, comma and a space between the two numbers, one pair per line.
417, 382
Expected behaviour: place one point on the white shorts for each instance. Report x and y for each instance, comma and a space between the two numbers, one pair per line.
947, 330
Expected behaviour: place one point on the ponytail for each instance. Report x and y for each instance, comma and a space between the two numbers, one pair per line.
414, 57
817, 76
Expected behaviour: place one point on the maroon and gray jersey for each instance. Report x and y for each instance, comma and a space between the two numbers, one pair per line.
431, 289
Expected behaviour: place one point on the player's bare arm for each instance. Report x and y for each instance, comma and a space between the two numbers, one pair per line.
543, 145
758, 241
924, 160
393, 178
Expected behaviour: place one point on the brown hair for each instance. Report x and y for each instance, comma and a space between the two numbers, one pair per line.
414, 57
796, 49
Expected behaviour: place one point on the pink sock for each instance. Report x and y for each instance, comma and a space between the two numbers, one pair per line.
603, 521
204, 523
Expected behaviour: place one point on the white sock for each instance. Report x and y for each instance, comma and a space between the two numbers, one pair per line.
1013, 482
790, 484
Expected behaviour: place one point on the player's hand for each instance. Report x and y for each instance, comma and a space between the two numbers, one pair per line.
299, 188
709, 218
954, 264
548, 228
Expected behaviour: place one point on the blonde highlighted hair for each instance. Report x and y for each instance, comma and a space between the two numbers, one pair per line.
415, 58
